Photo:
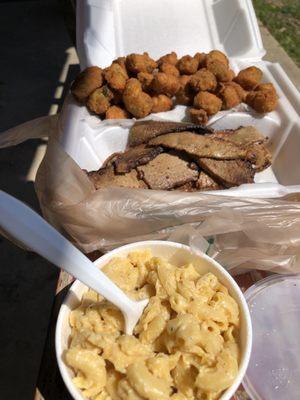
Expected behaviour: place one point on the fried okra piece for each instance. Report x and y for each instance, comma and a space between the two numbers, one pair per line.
208, 102
161, 103
121, 61
86, 82
203, 80
185, 95
165, 84
266, 87
219, 69
170, 58
198, 116
188, 65
137, 102
249, 77
238, 88
169, 69
201, 58
115, 112
99, 101
146, 80
229, 96
263, 99
116, 76
136, 63
217, 55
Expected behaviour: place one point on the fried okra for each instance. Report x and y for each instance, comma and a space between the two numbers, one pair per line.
238, 88
229, 96
136, 63
146, 80
219, 69
217, 55
170, 58
169, 69
188, 65
198, 116
263, 99
137, 102
249, 78
116, 76
115, 112
99, 101
203, 80
161, 103
165, 84
86, 82
208, 102
185, 95
121, 61
201, 58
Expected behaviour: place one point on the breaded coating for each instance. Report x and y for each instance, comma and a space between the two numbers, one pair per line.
208, 102
217, 55
238, 88
262, 101
116, 76
185, 95
170, 58
169, 69
161, 103
249, 77
165, 84
121, 61
86, 82
118, 94
188, 65
146, 80
229, 96
137, 102
115, 112
198, 116
219, 69
136, 63
231, 74
99, 101
203, 80
201, 58
266, 87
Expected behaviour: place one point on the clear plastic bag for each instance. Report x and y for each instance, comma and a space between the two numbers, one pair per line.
241, 233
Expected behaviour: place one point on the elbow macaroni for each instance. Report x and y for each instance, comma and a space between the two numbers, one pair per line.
185, 345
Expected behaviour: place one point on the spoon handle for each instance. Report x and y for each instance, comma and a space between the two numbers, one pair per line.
27, 227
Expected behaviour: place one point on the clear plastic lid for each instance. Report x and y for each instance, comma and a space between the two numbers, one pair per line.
274, 369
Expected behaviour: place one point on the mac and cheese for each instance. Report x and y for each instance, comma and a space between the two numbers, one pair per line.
185, 345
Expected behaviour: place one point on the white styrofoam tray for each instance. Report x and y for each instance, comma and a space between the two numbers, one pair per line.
107, 29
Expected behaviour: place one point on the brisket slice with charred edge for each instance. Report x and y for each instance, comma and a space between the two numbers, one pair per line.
200, 146
143, 131
228, 172
106, 177
135, 156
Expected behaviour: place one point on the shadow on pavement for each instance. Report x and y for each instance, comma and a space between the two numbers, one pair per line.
34, 44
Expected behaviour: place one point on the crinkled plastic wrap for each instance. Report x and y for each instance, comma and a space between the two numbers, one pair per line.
240, 233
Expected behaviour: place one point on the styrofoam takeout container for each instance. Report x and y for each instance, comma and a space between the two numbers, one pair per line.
107, 29
177, 254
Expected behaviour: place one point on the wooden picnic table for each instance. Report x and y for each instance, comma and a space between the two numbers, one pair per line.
50, 385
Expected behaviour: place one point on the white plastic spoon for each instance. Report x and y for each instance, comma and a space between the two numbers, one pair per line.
27, 227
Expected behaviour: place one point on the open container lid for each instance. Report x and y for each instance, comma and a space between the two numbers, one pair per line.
274, 369
118, 27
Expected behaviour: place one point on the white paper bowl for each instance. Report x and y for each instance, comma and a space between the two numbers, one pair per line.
177, 254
